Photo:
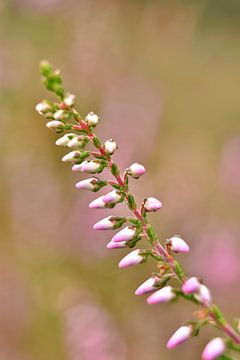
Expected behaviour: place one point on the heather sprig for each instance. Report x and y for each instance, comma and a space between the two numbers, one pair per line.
169, 281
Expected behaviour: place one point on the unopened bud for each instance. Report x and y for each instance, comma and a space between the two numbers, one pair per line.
89, 166
60, 115
136, 170
72, 156
117, 245
55, 125
92, 119
87, 184
126, 234
162, 296
178, 245
43, 107
204, 295
191, 286
152, 204
65, 139
148, 286
113, 197
110, 146
78, 142
69, 100
133, 258
180, 336
97, 203
214, 349
108, 223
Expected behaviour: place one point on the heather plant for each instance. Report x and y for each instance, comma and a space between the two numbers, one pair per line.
169, 281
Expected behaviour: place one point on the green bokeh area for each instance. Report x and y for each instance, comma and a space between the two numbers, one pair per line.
164, 78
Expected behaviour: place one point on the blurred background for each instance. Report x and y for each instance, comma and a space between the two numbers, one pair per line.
164, 77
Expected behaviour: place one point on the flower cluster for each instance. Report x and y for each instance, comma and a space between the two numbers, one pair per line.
170, 281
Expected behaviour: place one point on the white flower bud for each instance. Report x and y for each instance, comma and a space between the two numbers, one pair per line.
75, 143
88, 166
180, 336
87, 184
110, 146
178, 245
43, 107
55, 125
69, 100
204, 295
72, 156
126, 234
112, 197
136, 170
133, 258
161, 296
65, 139
152, 204
148, 286
92, 119
60, 115
104, 224
214, 349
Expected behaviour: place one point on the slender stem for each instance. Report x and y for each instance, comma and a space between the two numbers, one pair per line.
164, 253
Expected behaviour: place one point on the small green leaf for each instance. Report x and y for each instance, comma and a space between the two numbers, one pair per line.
114, 169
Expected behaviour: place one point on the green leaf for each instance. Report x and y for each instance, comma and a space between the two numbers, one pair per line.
114, 169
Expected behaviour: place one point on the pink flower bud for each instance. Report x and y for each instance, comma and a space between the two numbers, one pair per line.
112, 197
97, 203
178, 245
180, 336
69, 100
148, 286
191, 286
104, 224
161, 296
152, 204
72, 156
65, 139
126, 234
133, 258
214, 349
136, 170
110, 146
55, 125
87, 184
92, 119
117, 245
204, 295
88, 166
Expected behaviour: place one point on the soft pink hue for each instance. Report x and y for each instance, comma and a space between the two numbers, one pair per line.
133, 258
137, 169
97, 203
177, 244
87, 184
148, 286
128, 233
87, 166
214, 349
204, 295
152, 204
104, 224
162, 296
116, 245
191, 286
112, 197
180, 336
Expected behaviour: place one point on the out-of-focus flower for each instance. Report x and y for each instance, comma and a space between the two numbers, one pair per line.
191, 286
92, 119
180, 336
214, 349
152, 204
136, 170
161, 296
148, 286
177, 244
133, 258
